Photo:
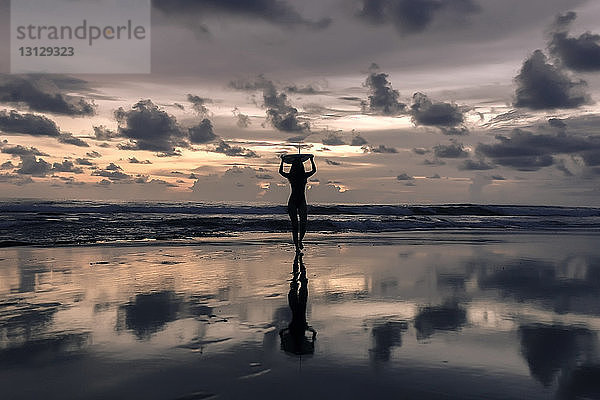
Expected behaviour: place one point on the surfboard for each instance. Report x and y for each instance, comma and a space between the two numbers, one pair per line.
289, 158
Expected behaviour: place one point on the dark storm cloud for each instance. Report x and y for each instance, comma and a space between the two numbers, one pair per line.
576, 53
150, 128
29, 124
234, 151
68, 138
42, 94
447, 116
103, 133
383, 99
66, 166
202, 133
358, 140
541, 85
199, 104
30, 165
277, 12
529, 151
412, 16
19, 150
475, 165
452, 150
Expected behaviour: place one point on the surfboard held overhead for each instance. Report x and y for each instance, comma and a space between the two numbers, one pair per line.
289, 158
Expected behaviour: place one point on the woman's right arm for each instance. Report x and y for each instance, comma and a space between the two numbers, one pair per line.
284, 174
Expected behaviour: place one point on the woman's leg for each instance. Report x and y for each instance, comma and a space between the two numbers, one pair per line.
303, 218
293, 213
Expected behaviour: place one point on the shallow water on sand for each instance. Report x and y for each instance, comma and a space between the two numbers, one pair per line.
418, 316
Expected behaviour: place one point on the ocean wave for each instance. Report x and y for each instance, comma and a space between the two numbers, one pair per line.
78, 222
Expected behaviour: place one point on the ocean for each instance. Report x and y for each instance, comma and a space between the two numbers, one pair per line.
50, 223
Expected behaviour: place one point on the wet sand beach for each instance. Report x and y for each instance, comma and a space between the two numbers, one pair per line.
416, 315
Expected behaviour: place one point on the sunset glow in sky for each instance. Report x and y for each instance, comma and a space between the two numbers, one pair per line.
401, 101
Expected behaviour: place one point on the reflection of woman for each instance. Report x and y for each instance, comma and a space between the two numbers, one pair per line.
293, 339
297, 202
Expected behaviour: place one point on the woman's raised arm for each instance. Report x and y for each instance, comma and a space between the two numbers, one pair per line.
284, 174
314, 167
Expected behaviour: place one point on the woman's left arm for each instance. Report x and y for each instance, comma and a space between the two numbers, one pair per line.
314, 167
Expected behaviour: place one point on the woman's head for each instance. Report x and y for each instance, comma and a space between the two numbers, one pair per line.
297, 169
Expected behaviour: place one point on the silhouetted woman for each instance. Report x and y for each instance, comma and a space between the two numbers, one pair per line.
297, 202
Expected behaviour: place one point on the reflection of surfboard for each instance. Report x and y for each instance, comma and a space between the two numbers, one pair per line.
289, 158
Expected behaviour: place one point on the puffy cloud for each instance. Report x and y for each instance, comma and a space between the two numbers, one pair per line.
412, 16
150, 128
379, 149
15, 179
83, 161
541, 85
7, 165
383, 99
199, 104
242, 120
237, 183
443, 115
93, 154
113, 167
30, 165
421, 151
358, 140
308, 89
43, 94
66, 166
404, 177
333, 139
577, 53
452, 150
277, 12
475, 165
529, 151
103, 133
202, 133
280, 114
112, 175
68, 138
433, 162
19, 150
29, 124
134, 160
234, 151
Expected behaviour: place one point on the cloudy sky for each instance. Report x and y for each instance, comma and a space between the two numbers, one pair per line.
401, 101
